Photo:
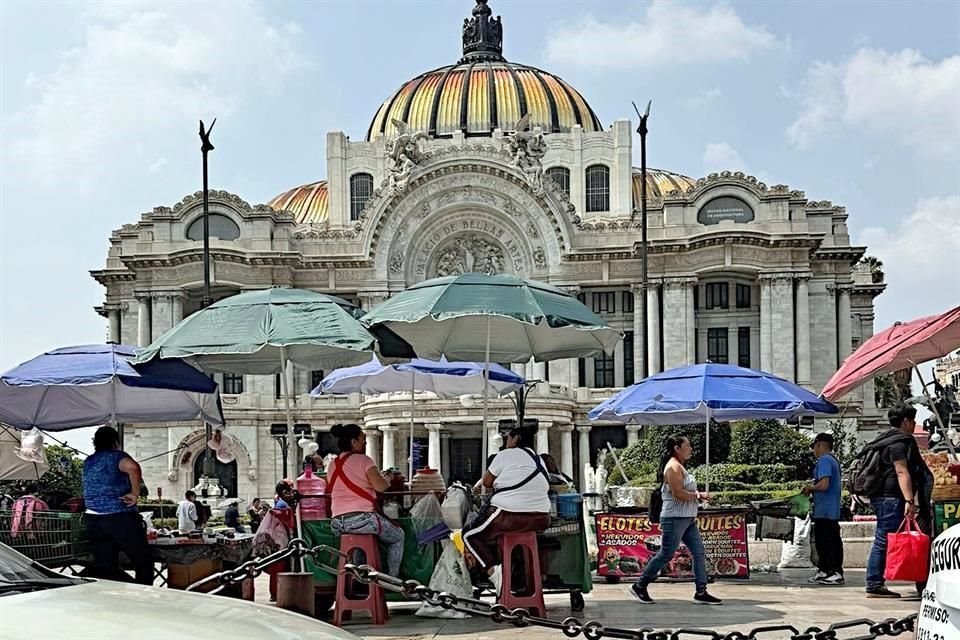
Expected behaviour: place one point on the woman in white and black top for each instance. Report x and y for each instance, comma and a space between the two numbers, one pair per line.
678, 521
519, 502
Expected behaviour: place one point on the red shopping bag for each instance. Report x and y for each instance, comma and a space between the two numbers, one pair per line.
908, 553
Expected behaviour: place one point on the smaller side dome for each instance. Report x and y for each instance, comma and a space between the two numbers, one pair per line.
659, 184
308, 203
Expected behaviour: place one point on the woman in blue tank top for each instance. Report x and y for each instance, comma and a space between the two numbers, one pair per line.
111, 483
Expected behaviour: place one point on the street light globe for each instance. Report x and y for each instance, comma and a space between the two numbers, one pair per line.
467, 401
935, 437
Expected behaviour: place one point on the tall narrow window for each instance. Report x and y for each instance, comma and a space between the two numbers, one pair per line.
743, 347
717, 295
628, 374
561, 176
603, 371
598, 188
361, 190
743, 296
277, 386
717, 345
627, 302
603, 301
316, 377
581, 372
232, 384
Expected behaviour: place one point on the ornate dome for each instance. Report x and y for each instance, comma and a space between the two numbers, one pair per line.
308, 203
483, 92
659, 184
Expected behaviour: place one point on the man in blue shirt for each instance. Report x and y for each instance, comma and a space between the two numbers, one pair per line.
826, 512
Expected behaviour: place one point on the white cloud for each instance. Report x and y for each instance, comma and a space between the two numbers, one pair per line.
902, 95
671, 32
141, 72
703, 99
919, 259
721, 156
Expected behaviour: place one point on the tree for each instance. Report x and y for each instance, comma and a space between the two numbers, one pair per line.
643, 457
64, 479
875, 266
771, 442
891, 389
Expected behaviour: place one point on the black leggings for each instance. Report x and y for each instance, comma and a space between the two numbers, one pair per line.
112, 533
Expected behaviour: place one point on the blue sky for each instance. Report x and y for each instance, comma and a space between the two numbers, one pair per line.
855, 102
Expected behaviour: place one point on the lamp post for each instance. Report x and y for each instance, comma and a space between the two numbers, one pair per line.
205, 148
645, 312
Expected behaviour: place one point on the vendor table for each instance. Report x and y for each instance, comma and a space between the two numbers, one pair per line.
566, 552
627, 540
206, 557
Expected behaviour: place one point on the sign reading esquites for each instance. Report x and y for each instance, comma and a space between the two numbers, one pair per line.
725, 208
626, 543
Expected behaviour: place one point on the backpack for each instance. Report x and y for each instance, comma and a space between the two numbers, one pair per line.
656, 505
868, 471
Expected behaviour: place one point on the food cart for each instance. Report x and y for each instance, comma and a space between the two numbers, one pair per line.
946, 491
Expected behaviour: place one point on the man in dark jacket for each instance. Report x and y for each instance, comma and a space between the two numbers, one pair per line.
899, 497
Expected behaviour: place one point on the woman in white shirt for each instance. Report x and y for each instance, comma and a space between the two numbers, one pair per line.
519, 502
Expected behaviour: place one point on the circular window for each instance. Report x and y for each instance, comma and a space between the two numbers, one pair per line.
221, 227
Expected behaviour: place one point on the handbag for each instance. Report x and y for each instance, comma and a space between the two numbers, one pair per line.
908, 553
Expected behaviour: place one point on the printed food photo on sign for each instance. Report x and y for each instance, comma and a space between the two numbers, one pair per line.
626, 544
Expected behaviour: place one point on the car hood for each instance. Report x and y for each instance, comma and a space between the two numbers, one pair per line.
107, 610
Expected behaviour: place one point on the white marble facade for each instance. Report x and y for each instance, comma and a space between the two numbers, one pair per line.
796, 303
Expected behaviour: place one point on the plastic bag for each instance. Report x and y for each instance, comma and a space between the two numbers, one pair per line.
908, 553
426, 513
450, 576
796, 555
455, 506
272, 535
31, 447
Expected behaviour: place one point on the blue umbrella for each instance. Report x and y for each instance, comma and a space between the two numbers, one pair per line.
89, 385
700, 392
446, 379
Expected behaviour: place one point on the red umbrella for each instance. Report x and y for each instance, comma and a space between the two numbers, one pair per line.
902, 346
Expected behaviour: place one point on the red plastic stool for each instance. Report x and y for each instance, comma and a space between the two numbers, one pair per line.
527, 542
375, 602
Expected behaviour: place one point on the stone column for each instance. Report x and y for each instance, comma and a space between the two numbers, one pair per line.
766, 334
844, 331
143, 320
653, 327
543, 437
803, 331
678, 328
177, 301
633, 434
433, 448
113, 320
639, 335
584, 431
538, 370
389, 446
373, 443
566, 449
781, 306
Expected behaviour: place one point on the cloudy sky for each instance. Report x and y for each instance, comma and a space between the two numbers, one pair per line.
854, 102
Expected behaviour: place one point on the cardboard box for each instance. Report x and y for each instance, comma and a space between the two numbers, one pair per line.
181, 576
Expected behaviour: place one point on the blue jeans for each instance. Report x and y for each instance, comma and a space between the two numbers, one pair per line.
388, 533
675, 530
889, 511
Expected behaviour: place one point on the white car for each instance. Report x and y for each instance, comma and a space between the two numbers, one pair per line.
36, 602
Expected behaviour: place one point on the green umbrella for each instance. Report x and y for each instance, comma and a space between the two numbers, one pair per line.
503, 318
258, 332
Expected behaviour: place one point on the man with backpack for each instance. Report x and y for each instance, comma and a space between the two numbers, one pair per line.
890, 471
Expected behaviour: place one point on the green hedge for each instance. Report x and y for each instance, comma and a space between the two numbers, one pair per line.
751, 474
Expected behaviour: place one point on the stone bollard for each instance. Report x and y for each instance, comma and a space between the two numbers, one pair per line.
295, 592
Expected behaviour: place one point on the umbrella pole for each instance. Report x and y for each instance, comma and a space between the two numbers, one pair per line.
413, 404
291, 442
485, 444
933, 409
708, 450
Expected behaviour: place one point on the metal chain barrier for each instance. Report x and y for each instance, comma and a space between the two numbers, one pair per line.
865, 628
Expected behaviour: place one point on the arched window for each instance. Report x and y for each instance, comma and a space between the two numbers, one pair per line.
221, 227
561, 176
598, 188
361, 189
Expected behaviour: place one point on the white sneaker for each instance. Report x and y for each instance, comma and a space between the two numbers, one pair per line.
834, 579
497, 579
817, 578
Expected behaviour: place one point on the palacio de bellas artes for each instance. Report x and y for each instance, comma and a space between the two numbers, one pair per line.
489, 165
